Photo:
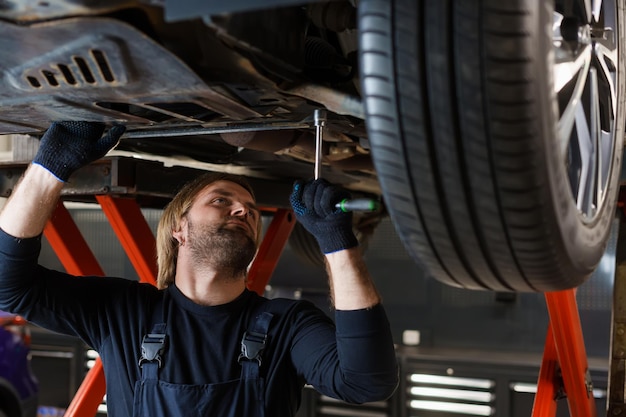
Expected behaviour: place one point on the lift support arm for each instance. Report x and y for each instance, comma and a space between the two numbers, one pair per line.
74, 253
564, 352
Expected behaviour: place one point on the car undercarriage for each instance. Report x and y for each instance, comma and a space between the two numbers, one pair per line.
492, 131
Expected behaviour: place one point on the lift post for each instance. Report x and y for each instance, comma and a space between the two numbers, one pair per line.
549, 385
270, 250
564, 369
76, 257
134, 234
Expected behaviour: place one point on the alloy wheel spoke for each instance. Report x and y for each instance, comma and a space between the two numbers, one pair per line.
585, 72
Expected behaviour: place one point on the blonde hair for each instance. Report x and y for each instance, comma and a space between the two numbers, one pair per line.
166, 245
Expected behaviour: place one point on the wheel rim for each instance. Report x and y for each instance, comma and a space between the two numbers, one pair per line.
585, 75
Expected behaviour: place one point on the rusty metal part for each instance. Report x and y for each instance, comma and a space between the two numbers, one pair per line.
28, 11
335, 101
267, 141
111, 73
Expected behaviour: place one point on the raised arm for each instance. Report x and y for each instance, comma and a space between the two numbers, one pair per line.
65, 147
356, 360
314, 205
351, 286
31, 203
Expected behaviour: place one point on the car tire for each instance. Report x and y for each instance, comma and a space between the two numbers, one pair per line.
499, 172
9, 403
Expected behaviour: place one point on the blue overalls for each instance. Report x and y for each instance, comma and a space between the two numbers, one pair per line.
236, 398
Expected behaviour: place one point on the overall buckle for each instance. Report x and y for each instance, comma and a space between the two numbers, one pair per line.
252, 344
152, 346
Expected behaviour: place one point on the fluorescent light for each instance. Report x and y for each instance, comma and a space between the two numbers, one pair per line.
472, 409
524, 387
528, 388
92, 354
457, 394
452, 380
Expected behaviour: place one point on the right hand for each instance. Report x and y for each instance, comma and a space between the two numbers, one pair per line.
314, 204
68, 146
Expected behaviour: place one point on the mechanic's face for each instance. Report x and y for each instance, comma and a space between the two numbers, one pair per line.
221, 226
229, 203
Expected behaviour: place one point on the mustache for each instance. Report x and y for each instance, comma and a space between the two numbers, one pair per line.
236, 219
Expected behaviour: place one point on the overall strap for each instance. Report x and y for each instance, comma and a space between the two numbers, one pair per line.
153, 343
252, 344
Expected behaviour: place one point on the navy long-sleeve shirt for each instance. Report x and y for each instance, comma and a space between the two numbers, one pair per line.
352, 359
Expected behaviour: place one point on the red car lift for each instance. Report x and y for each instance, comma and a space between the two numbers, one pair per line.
134, 233
564, 354
74, 253
564, 370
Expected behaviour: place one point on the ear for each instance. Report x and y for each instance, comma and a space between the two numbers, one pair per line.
178, 235
179, 232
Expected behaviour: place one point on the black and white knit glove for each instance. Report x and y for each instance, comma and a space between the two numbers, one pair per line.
68, 146
313, 203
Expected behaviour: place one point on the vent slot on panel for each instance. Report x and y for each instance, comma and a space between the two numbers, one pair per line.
445, 395
84, 69
80, 69
103, 64
49, 76
33, 81
67, 73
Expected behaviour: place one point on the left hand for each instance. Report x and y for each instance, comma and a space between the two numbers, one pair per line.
67, 146
313, 203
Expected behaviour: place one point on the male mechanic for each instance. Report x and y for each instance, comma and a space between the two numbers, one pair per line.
201, 344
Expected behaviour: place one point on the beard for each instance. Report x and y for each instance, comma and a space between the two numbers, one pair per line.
221, 247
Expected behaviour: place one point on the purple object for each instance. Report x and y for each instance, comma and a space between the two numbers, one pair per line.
19, 388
